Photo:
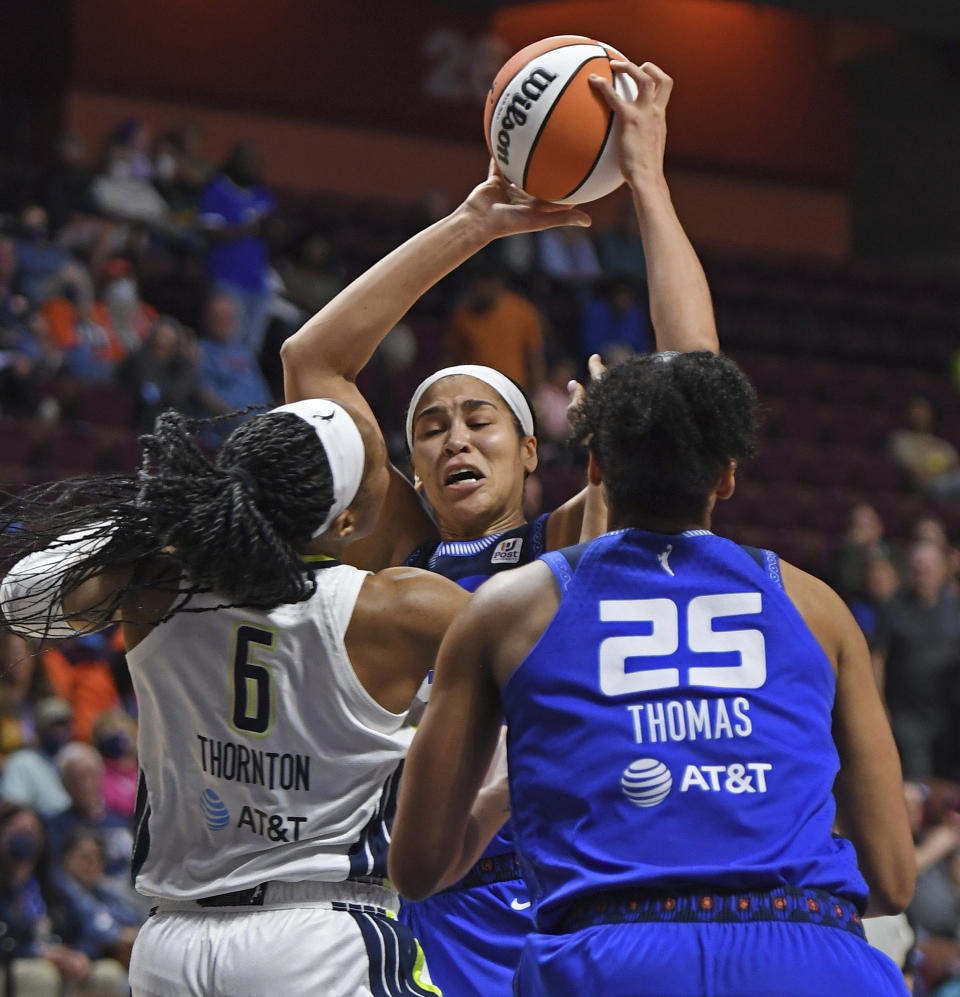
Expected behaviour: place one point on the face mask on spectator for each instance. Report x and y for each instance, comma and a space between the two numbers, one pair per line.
22, 846
52, 740
113, 745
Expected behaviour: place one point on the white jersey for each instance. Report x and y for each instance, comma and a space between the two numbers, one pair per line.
262, 756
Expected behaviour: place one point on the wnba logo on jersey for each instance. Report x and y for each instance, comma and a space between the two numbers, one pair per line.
507, 551
646, 782
214, 810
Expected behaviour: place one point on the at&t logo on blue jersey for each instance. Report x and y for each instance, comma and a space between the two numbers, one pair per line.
646, 782
214, 810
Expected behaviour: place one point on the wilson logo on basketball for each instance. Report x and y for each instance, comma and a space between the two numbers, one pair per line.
515, 113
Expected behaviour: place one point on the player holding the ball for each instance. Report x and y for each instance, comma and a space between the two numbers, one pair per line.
470, 432
681, 712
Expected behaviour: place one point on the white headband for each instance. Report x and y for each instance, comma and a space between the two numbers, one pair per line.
343, 445
500, 383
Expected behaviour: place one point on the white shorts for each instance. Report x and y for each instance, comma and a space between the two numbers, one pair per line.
329, 948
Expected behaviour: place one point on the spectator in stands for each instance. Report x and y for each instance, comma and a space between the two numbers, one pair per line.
120, 309
862, 543
566, 254
931, 462
881, 581
232, 207
934, 911
39, 261
81, 769
20, 679
36, 940
30, 777
917, 657
115, 737
311, 281
164, 373
615, 323
80, 670
497, 328
102, 923
91, 347
552, 400
620, 247
122, 189
229, 375
129, 151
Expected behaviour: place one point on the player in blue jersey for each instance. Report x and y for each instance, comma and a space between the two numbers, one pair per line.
680, 711
470, 432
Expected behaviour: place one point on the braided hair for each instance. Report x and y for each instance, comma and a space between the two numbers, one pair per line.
664, 427
235, 526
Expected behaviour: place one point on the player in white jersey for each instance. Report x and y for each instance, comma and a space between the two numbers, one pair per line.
272, 682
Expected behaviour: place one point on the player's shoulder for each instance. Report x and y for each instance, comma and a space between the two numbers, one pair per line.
822, 609
512, 592
408, 596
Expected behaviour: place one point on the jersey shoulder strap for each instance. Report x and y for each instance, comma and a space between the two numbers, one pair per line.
563, 563
767, 560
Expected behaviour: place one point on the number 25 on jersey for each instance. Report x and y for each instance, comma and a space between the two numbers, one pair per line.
662, 616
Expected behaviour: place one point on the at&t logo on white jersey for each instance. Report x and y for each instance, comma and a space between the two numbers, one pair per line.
646, 782
507, 551
215, 811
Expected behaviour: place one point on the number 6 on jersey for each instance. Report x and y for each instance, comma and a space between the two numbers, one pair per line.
252, 711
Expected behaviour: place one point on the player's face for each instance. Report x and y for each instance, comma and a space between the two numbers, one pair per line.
470, 459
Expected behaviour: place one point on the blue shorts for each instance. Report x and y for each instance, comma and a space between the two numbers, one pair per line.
472, 938
764, 959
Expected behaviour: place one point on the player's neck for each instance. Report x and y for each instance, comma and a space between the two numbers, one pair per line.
657, 524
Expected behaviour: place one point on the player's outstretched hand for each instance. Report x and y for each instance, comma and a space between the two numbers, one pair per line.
502, 208
642, 121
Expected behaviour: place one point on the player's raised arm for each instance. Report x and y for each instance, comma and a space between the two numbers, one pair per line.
340, 339
680, 305
871, 810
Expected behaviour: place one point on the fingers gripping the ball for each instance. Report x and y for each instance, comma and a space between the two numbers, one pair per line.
663, 83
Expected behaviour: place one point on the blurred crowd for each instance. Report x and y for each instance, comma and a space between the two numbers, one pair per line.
153, 271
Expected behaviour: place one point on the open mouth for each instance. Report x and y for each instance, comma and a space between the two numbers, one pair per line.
462, 476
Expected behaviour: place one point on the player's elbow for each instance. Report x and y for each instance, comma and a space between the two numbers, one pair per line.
895, 897
413, 875
290, 351
891, 892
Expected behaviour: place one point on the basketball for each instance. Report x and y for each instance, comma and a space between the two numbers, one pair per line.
549, 131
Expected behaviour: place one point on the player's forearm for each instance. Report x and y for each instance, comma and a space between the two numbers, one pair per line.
341, 338
681, 308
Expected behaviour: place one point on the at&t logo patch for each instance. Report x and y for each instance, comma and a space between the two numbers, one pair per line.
646, 782
507, 551
214, 810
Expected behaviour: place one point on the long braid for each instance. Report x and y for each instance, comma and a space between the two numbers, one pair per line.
235, 527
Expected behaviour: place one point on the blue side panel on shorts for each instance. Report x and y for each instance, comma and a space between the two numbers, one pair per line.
368, 856
392, 951
141, 826
473, 938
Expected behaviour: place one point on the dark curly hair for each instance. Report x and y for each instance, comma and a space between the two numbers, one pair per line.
663, 427
235, 526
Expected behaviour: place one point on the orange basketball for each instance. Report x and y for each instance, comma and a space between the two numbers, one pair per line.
547, 128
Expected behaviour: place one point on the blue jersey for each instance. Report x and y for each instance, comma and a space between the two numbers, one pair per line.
473, 933
671, 729
470, 563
